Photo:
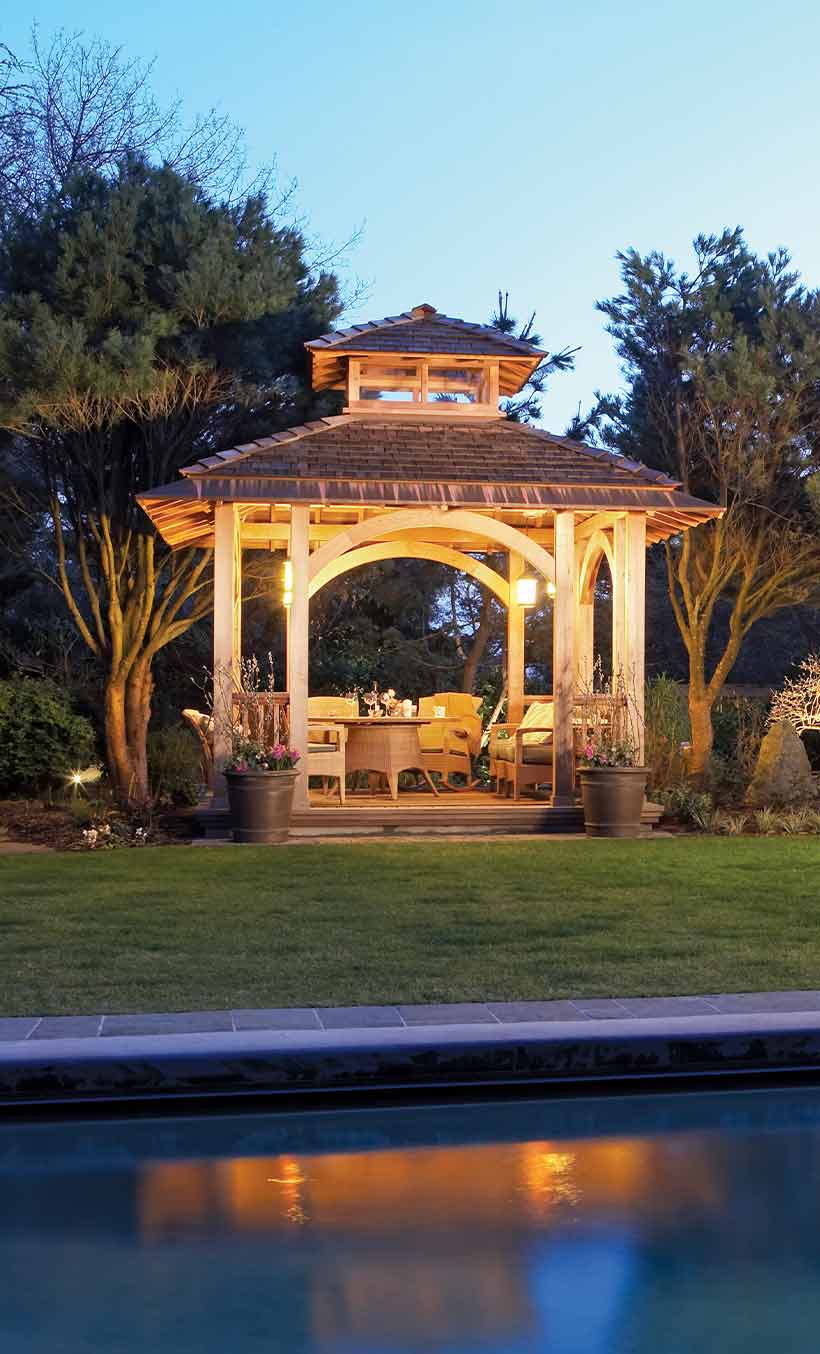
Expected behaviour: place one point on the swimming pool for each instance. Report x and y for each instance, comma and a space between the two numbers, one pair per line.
621, 1225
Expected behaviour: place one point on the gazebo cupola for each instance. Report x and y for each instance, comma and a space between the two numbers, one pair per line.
421, 363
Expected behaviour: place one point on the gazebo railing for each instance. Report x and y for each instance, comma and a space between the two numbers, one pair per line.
263, 716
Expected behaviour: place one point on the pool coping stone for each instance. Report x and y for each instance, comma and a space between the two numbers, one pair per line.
52, 1059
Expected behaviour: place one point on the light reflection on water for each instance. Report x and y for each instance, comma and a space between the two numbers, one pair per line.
123, 1239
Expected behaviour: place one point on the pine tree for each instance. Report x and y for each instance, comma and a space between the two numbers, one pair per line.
142, 325
722, 371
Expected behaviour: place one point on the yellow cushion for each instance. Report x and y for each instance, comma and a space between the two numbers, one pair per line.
538, 714
431, 737
463, 739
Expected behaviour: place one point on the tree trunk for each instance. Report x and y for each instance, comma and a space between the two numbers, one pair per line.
478, 646
700, 720
117, 750
138, 714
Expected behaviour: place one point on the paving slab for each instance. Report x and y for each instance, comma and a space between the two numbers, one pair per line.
605, 1009
17, 1027
766, 1001
358, 1017
642, 1007
172, 1022
516, 1012
450, 1013
67, 1027
282, 1018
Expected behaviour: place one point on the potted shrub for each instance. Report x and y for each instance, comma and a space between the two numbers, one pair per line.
260, 791
612, 787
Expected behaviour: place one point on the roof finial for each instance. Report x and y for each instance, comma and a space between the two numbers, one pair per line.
422, 311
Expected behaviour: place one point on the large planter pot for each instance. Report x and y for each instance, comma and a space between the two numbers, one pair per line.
260, 804
613, 799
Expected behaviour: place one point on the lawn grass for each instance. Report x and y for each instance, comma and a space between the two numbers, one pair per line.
180, 928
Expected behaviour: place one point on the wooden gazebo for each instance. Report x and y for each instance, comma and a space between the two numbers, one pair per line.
423, 464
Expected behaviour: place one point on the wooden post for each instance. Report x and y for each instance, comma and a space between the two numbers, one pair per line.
619, 550
563, 661
635, 595
227, 628
515, 645
298, 649
584, 628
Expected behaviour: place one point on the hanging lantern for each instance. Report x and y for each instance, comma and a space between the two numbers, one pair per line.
525, 591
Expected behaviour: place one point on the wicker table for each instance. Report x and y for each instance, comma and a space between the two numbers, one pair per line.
387, 745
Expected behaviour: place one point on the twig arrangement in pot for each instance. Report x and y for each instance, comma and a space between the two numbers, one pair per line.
612, 779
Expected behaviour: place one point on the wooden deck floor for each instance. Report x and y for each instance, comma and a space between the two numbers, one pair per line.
466, 812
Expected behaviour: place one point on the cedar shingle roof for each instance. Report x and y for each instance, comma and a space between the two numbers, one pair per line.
424, 330
363, 461
363, 447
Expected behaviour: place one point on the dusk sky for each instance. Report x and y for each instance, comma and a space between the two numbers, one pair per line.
484, 145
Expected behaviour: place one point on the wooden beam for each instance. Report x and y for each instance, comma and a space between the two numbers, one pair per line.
619, 549
443, 554
635, 596
584, 624
266, 533
422, 519
298, 644
227, 629
403, 409
516, 617
563, 661
353, 373
597, 522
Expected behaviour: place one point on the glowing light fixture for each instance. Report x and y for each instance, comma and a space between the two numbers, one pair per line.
287, 583
525, 590
550, 589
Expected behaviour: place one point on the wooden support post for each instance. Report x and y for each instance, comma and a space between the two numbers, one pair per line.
515, 645
563, 661
298, 647
635, 594
619, 549
227, 629
584, 628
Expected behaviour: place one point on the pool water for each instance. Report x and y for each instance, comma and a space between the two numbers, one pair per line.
675, 1224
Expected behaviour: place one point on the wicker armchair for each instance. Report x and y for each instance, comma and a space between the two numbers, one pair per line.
449, 744
521, 754
327, 743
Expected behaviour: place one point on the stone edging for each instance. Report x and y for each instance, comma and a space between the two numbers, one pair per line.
411, 1055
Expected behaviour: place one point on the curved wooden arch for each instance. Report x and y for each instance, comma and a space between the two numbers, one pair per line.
597, 546
441, 554
421, 519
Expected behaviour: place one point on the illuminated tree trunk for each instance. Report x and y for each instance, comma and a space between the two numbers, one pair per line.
117, 752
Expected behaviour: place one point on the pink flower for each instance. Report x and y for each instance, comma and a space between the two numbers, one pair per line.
589, 750
279, 752
295, 756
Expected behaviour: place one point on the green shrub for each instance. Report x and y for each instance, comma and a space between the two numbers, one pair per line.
796, 822
174, 766
689, 806
42, 737
666, 728
739, 724
729, 824
767, 822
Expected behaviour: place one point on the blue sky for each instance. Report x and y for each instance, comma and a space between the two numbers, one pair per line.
483, 145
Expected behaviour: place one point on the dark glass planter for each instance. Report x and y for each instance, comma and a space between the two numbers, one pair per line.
613, 799
260, 804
